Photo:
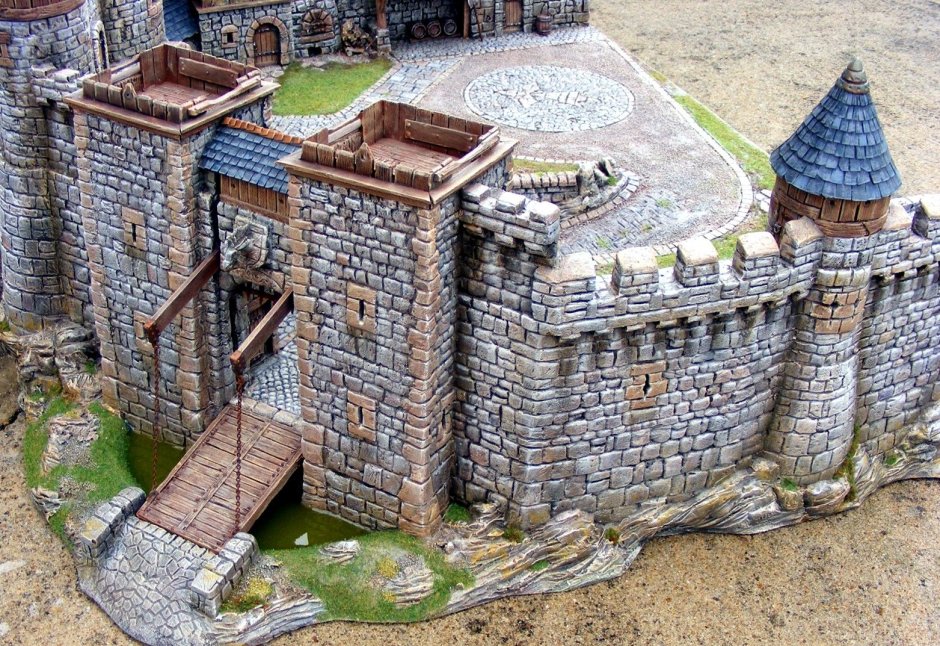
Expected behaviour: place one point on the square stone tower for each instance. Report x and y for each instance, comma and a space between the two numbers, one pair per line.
374, 222
140, 128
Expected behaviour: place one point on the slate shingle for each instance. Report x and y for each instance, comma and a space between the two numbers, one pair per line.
839, 151
180, 19
248, 157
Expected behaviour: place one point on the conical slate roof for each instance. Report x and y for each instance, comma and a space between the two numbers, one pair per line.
839, 151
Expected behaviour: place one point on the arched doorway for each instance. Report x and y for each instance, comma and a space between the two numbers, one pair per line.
267, 45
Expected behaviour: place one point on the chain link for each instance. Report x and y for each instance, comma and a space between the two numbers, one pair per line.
240, 389
156, 412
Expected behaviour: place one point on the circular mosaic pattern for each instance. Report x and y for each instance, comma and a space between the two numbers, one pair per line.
548, 99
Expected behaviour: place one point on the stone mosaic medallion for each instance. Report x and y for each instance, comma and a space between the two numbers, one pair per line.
548, 99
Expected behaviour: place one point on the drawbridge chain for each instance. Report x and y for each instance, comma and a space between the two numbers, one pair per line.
239, 389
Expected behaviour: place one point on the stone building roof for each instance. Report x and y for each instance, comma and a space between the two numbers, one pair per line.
181, 19
839, 151
248, 152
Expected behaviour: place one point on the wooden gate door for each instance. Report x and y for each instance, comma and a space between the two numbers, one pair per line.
267, 46
513, 9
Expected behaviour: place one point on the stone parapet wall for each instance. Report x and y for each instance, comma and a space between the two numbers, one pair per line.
554, 187
99, 531
578, 390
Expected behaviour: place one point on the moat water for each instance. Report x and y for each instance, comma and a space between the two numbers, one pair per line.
285, 524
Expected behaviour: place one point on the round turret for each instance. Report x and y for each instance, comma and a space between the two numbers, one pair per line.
836, 168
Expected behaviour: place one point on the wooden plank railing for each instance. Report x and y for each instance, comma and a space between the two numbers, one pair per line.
251, 346
182, 296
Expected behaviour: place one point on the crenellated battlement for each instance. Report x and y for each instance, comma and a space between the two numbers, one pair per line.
512, 219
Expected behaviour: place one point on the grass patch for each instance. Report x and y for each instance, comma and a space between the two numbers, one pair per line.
5, 326
754, 160
538, 566
91, 367
606, 269
306, 91
541, 168
104, 476
666, 260
892, 459
847, 470
788, 485
457, 514
612, 534
250, 595
663, 203
348, 589
604, 243
514, 534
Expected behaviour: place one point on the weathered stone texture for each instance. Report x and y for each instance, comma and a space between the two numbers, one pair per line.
231, 33
375, 296
132, 26
30, 122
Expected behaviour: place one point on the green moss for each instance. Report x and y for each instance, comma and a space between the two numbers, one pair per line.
847, 470
538, 566
91, 367
541, 168
605, 269
892, 459
666, 260
4, 326
349, 591
457, 514
788, 485
514, 534
612, 534
663, 203
251, 594
603, 243
754, 160
326, 90
104, 476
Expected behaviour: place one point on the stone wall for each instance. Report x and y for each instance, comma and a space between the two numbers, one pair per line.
375, 297
132, 26
577, 390
554, 187
144, 237
31, 228
309, 12
403, 13
230, 33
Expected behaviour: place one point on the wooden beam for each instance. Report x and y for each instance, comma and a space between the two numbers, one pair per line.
440, 136
262, 332
182, 296
209, 73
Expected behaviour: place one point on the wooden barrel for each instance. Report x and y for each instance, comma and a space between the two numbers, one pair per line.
419, 31
435, 29
543, 24
450, 27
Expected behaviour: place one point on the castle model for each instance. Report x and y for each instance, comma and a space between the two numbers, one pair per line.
445, 349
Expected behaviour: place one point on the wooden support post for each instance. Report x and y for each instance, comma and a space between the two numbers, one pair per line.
262, 332
182, 296
381, 16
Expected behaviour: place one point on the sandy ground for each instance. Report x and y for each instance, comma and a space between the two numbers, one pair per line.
762, 66
871, 576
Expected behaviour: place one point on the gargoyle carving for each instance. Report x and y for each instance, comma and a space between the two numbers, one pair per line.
246, 247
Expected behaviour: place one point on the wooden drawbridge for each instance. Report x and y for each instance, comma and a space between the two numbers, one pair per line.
197, 499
